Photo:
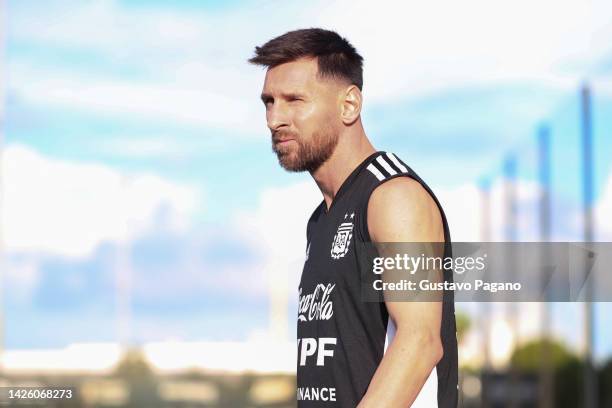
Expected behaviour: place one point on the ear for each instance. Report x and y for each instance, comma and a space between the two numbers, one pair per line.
351, 105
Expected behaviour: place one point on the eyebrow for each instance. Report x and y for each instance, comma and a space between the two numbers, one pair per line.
265, 97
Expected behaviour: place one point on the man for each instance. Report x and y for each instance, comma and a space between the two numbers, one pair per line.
353, 353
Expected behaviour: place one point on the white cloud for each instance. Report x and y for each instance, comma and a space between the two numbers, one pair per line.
464, 209
193, 65
104, 25
258, 254
194, 68
143, 147
437, 44
277, 229
22, 276
279, 222
183, 104
68, 208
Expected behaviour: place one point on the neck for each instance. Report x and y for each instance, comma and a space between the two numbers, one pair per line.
352, 149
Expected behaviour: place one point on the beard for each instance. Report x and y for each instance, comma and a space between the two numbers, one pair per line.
305, 155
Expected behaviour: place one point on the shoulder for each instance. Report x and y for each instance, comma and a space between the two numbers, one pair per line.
401, 209
402, 188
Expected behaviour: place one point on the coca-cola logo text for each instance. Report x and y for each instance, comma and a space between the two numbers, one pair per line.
317, 305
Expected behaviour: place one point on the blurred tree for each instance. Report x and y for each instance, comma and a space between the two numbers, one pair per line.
133, 365
568, 376
235, 390
569, 381
463, 325
527, 357
134, 369
605, 384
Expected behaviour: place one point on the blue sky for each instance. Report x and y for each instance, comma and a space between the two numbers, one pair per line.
158, 94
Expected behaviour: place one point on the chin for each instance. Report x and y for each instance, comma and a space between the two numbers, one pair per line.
290, 162
290, 165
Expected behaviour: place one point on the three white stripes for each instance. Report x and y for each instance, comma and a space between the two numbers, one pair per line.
385, 165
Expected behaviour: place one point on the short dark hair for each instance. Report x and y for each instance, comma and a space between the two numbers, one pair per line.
336, 57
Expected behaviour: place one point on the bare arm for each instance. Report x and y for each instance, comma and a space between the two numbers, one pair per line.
401, 210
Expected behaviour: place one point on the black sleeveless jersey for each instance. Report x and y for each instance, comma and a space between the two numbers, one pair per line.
341, 339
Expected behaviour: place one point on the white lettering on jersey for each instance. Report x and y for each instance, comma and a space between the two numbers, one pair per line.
316, 394
316, 305
308, 346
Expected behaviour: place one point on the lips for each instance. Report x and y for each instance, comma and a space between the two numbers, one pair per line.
279, 140
282, 137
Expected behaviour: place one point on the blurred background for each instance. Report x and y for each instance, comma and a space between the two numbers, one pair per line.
152, 246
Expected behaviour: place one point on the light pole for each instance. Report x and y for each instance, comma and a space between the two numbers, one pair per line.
511, 222
590, 378
485, 236
544, 169
2, 98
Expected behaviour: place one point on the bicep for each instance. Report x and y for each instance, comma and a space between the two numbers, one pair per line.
402, 211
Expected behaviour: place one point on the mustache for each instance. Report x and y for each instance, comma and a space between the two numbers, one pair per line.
280, 135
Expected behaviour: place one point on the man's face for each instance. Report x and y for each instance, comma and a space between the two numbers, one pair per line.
302, 112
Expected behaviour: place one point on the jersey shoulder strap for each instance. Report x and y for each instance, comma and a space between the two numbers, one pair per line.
384, 167
387, 165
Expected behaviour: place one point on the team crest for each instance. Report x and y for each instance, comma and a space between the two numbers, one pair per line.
342, 239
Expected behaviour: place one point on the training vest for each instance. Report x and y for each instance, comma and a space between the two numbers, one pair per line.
342, 339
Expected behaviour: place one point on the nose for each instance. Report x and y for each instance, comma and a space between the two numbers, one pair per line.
276, 117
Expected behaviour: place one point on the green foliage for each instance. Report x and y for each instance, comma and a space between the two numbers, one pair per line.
133, 365
530, 356
605, 385
568, 383
568, 371
134, 369
463, 325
